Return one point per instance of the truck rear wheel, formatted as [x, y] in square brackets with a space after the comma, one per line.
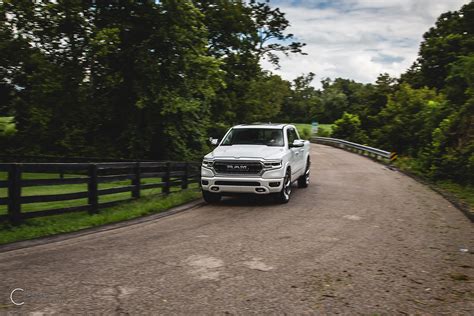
[303, 181]
[211, 197]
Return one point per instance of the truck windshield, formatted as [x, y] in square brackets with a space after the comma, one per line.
[254, 136]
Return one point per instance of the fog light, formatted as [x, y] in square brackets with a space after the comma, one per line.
[205, 182]
[215, 188]
[274, 184]
[260, 189]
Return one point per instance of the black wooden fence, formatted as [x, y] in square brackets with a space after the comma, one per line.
[62, 159]
[171, 174]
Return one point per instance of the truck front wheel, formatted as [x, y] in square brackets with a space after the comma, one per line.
[211, 197]
[284, 195]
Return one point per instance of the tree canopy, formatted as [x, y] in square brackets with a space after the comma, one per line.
[154, 79]
[428, 113]
[136, 78]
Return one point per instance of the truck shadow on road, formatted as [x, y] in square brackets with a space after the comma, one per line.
[252, 200]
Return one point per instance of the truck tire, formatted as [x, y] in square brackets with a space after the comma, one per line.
[211, 197]
[303, 181]
[284, 195]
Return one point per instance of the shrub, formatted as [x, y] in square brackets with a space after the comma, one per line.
[348, 128]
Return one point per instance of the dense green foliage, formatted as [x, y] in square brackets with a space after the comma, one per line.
[136, 78]
[348, 127]
[155, 79]
[427, 114]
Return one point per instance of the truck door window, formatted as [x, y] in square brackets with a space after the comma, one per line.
[291, 134]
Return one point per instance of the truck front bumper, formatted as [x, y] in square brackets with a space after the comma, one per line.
[221, 184]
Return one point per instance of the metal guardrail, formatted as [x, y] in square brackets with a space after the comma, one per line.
[345, 144]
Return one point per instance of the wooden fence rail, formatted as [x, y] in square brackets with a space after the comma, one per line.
[92, 175]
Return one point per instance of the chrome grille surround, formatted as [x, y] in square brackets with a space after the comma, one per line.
[238, 167]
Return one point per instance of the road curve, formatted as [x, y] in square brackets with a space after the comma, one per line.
[361, 239]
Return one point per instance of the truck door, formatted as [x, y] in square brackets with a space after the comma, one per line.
[296, 154]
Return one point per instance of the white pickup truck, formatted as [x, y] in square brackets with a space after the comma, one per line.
[258, 159]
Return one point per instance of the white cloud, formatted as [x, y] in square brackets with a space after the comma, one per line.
[357, 39]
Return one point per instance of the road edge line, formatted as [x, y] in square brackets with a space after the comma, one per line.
[99, 229]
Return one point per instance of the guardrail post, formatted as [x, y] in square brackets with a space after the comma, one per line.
[184, 181]
[14, 194]
[93, 198]
[136, 181]
[166, 179]
[393, 157]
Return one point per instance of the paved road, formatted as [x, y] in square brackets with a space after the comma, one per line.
[361, 239]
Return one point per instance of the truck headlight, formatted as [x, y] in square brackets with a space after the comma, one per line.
[208, 163]
[271, 164]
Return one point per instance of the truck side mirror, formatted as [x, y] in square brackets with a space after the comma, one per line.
[214, 141]
[297, 143]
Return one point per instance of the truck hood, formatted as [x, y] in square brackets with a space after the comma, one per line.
[247, 151]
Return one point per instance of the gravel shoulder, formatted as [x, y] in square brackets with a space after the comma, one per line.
[361, 239]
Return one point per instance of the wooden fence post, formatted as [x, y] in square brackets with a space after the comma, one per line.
[166, 179]
[14, 194]
[93, 198]
[184, 181]
[136, 181]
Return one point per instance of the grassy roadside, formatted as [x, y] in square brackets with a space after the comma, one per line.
[51, 225]
[304, 130]
[464, 193]
[7, 125]
[70, 188]
[325, 130]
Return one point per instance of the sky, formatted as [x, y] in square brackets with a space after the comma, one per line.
[357, 39]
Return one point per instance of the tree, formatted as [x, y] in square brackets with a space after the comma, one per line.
[123, 79]
[409, 119]
[302, 104]
[265, 98]
[452, 147]
[450, 38]
[348, 127]
[333, 102]
[241, 34]
[48, 80]
[161, 78]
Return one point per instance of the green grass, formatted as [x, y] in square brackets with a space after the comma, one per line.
[463, 193]
[70, 188]
[410, 165]
[150, 202]
[51, 225]
[7, 126]
[325, 130]
[304, 130]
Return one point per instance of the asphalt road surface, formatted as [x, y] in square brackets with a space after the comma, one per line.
[361, 239]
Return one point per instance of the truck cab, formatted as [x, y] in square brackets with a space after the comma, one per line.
[256, 159]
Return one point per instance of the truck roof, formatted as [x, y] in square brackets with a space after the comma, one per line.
[261, 125]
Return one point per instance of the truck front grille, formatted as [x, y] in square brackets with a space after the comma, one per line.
[238, 167]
